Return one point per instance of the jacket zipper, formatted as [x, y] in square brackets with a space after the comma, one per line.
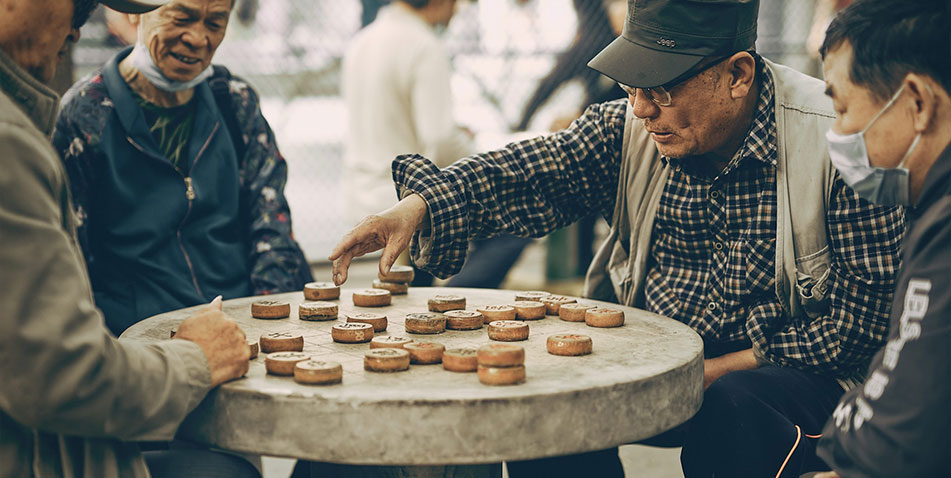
[189, 195]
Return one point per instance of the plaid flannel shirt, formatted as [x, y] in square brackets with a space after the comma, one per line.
[713, 248]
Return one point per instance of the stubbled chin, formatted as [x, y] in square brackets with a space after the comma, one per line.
[670, 151]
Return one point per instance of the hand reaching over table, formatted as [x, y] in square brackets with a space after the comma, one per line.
[390, 230]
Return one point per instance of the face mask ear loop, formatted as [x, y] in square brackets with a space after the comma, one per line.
[910, 150]
[883, 110]
[917, 138]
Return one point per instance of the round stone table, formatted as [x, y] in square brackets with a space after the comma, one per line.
[642, 378]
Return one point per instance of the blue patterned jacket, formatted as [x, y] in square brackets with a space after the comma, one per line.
[156, 240]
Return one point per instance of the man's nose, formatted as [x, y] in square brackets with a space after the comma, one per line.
[195, 39]
[642, 106]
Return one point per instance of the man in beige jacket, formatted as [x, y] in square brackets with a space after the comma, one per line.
[74, 399]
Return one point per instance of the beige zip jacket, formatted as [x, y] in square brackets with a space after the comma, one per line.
[72, 397]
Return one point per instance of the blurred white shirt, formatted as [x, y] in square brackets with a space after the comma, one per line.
[396, 86]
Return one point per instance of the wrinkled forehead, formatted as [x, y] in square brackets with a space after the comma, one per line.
[199, 7]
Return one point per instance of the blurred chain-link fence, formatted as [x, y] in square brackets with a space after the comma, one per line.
[519, 64]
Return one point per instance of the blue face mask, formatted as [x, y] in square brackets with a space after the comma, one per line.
[849, 154]
[142, 60]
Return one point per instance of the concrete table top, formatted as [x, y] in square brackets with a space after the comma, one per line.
[642, 378]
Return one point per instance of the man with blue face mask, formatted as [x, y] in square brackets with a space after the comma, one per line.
[888, 70]
[175, 174]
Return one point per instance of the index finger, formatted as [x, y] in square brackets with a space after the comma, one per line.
[341, 266]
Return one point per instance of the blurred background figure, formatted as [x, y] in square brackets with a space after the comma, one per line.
[396, 83]
[599, 23]
[121, 28]
[370, 9]
[824, 13]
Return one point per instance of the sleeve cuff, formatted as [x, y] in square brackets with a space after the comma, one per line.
[441, 247]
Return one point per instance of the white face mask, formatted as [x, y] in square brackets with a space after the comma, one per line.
[142, 60]
[849, 154]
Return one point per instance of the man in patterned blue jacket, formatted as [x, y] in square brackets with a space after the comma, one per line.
[180, 195]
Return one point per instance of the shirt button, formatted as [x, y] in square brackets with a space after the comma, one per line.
[712, 306]
[714, 194]
[718, 246]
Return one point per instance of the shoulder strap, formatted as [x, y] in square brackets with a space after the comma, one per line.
[220, 88]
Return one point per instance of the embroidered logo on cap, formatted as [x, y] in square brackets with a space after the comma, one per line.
[666, 42]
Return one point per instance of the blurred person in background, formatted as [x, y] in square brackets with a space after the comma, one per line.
[887, 65]
[75, 400]
[369, 9]
[725, 215]
[597, 27]
[175, 175]
[396, 83]
[599, 23]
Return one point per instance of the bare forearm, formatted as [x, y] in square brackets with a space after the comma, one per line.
[717, 367]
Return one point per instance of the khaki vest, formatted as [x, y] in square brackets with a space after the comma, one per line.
[803, 174]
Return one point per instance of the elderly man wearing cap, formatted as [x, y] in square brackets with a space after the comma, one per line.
[175, 174]
[74, 399]
[725, 215]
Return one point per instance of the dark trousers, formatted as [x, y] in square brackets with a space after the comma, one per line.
[309, 469]
[489, 261]
[753, 423]
[179, 463]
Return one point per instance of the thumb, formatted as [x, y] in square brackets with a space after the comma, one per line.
[216, 303]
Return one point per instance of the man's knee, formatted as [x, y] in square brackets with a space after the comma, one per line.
[730, 395]
[602, 463]
[198, 463]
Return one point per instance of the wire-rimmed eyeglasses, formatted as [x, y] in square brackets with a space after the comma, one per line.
[660, 95]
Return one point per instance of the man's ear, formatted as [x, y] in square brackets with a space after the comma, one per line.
[925, 106]
[741, 74]
[134, 18]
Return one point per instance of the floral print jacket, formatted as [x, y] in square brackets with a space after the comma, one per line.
[229, 233]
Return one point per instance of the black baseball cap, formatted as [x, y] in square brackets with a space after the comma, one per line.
[133, 6]
[663, 39]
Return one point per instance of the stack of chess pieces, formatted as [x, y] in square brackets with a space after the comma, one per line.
[500, 362]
